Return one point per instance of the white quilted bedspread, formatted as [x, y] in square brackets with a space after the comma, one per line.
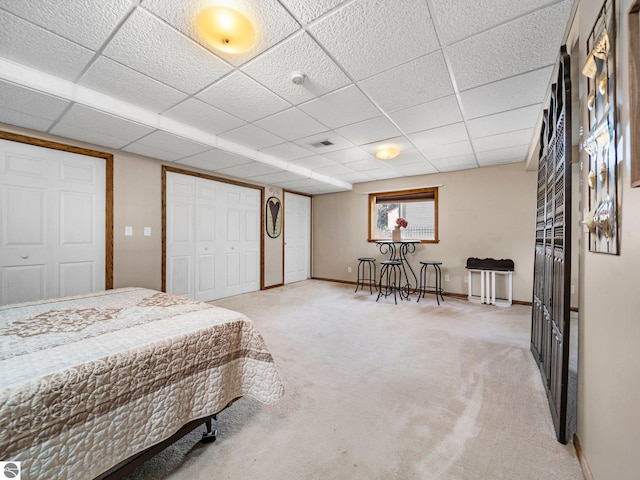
[88, 381]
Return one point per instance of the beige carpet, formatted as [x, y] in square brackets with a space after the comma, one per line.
[379, 391]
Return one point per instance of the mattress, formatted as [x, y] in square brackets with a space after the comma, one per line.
[88, 381]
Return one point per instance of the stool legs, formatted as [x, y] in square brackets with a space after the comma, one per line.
[366, 267]
[392, 275]
[423, 281]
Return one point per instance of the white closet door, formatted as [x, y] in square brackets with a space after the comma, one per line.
[52, 234]
[213, 238]
[180, 231]
[205, 234]
[239, 227]
[297, 237]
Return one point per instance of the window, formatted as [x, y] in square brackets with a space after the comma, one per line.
[419, 207]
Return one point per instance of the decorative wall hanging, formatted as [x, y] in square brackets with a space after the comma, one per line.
[600, 133]
[273, 217]
[634, 90]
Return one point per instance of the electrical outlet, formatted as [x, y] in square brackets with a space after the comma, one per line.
[348, 269]
[573, 289]
[466, 279]
[446, 278]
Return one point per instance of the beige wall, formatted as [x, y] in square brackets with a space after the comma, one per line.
[138, 203]
[609, 351]
[486, 212]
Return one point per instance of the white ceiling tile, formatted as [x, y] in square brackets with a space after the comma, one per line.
[411, 169]
[201, 115]
[311, 143]
[383, 173]
[460, 19]
[459, 162]
[355, 177]
[514, 92]
[308, 11]
[252, 137]
[504, 155]
[89, 125]
[518, 119]
[297, 53]
[214, 159]
[449, 150]
[166, 146]
[439, 136]
[90, 24]
[348, 155]
[365, 165]
[243, 97]
[40, 105]
[249, 169]
[525, 44]
[313, 163]
[271, 21]
[291, 124]
[504, 140]
[333, 170]
[27, 44]
[118, 81]
[373, 130]
[418, 81]
[25, 120]
[369, 36]
[342, 107]
[287, 151]
[150, 46]
[437, 113]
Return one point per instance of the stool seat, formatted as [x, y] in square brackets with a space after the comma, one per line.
[423, 287]
[366, 273]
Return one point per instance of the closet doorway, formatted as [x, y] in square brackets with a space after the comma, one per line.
[297, 237]
[56, 220]
[212, 236]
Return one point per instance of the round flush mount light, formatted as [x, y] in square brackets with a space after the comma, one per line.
[387, 152]
[225, 29]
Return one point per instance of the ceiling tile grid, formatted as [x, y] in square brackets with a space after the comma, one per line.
[455, 84]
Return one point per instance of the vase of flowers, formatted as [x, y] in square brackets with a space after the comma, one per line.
[396, 235]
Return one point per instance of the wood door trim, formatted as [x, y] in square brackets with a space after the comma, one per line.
[180, 171]
[108, 157]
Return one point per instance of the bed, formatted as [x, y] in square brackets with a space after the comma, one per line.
[87, 382]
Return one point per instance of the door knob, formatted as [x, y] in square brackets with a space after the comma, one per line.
[24, 257]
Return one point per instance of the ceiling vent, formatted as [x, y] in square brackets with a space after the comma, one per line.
[324, 143]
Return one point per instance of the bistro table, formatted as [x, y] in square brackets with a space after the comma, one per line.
[399, 251]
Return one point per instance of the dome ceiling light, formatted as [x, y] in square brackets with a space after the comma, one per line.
[225, 29]
[387, 152]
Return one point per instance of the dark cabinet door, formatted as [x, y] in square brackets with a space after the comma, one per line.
[552, 269]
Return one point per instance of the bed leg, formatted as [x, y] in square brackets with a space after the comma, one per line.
[210, 435]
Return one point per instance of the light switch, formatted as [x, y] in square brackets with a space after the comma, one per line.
[128, 231]
[147, 231]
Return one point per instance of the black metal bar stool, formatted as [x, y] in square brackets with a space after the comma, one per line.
[423, 287]
[391, 272]
[366, 273]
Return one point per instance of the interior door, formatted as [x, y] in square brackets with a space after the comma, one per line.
[297, 237]
[180, 234]
[212, 237]
[52, 234]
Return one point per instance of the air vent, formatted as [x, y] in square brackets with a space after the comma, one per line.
[324, 143]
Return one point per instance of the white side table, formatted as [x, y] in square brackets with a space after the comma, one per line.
[488, 287]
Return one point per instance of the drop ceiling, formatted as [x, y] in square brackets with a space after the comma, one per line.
[455, 84]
